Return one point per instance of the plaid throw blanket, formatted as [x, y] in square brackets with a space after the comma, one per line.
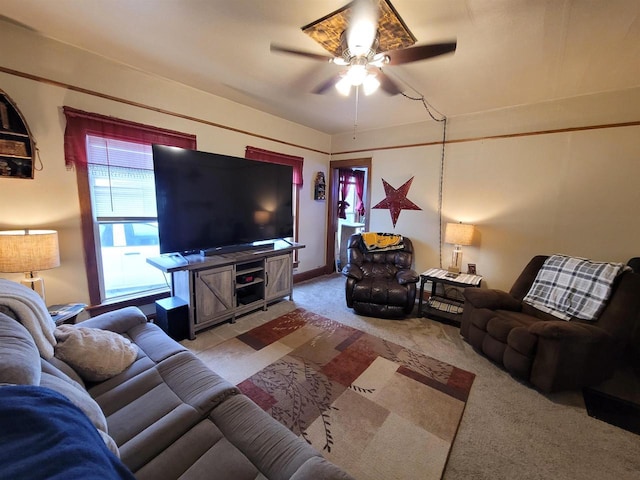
[568, 287]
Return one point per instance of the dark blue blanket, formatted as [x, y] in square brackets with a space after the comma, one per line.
[43, 435]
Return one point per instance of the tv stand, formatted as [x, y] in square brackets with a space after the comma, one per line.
[208, 252]
[227, 285]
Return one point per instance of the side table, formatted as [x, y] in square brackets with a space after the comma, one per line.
[440, 307]
[66, 313]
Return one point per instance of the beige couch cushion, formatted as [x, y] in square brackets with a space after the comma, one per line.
[95, 354]
[19, 357]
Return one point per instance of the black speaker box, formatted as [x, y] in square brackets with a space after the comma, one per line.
[172, 316]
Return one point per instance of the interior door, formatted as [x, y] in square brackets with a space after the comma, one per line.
[333, 197]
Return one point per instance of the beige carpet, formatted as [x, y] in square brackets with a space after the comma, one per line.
[508, 430]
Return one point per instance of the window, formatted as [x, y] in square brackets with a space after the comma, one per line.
[116, 188]
[123, 202]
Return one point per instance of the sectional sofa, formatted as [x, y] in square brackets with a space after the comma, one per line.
[166, 415]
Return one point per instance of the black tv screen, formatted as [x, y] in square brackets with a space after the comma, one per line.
[206, 201]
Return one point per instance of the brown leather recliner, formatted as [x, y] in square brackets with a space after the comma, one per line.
[537, 347]
[380, 284]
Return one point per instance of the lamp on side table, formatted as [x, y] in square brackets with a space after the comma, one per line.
[458, 234]
[29, 251]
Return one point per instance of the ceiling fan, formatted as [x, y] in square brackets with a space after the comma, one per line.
[368, 35]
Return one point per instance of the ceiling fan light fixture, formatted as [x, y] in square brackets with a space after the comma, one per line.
[344, 86]
[357, 74]
[364, 36]
[370, 84]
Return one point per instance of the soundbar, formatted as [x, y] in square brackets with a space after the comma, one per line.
[208, 252]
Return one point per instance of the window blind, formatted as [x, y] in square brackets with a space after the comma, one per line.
[122, 180]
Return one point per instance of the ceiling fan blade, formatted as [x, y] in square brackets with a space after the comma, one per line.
[421, 52]
[323, 87]
[387, 84]
[314, 56]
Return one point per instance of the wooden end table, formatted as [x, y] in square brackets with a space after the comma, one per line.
[444, 308]
[67, 313]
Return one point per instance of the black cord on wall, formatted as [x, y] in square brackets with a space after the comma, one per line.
[443, 119]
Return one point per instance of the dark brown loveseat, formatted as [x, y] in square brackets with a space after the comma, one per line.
[380, 283]
[537, 347]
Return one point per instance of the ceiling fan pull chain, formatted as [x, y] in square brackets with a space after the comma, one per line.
[355, 119]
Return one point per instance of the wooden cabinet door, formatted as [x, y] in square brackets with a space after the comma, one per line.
[279, 273]
[215, 294]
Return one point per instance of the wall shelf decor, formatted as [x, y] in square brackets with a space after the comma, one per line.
[16, 142]
[320, 189]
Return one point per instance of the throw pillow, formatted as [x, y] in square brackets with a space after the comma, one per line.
[94, 353]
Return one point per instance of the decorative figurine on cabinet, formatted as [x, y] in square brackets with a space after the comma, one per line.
[320, 187]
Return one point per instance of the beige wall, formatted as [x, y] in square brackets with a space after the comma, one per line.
[50, 200]
[573, 192]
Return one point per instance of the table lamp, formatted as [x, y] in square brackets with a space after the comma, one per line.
[29, 251]
[458, 234]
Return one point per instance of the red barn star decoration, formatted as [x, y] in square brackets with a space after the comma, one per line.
[397, 200]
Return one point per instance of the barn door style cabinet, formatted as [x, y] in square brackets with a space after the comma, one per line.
[278, 279]
[214, 293]
[17, 146]
[224, 287]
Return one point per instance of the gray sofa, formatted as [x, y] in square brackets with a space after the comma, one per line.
[169, 415]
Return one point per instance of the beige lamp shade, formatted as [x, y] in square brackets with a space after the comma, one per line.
[458, 233]
[24, 251]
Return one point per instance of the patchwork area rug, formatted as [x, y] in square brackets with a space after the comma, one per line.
[378, 410]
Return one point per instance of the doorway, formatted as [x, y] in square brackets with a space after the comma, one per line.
[339, 229]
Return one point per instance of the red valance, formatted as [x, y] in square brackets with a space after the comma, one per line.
[80, 124]
[254, 153]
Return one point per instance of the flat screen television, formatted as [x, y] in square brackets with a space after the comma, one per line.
[217, 202]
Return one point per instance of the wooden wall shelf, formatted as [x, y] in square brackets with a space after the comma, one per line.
[17, 147]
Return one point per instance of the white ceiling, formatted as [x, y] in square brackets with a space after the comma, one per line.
[510, 52]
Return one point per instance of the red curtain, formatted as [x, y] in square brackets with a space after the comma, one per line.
[358, 175]
[253, 153]
[80, 124]
[346, 177]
